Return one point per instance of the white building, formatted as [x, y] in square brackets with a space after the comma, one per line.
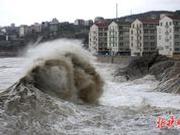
[98, 38]
[36, 27]
[168, 36]
[143, 37]
[118, 37]
[23, 30]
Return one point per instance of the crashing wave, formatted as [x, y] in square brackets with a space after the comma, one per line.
[60, 72]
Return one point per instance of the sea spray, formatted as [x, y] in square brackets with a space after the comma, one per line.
[64, 69]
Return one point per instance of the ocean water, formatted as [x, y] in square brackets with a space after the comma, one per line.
[125, 107]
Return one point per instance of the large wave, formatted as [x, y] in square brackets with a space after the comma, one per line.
[64, 69]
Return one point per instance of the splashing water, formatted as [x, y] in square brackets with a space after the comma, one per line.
[124, 107]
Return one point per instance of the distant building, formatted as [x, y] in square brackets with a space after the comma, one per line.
[54, 21]
[4, 30]
[2, 36]
[88, 22]
[168, 36]
[79, 22]
[98, 38]
[36, 27]
[23, 30]
[98, 19]
[54, 27]
[118, 37]
[143, 37]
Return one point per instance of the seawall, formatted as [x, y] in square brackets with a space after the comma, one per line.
[115, 59]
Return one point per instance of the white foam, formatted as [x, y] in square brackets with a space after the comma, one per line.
[138, 93]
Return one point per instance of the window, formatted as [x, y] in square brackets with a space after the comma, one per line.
[152, 37]
[177, 49]
[152, 43]
[159, 30]
[146, 37]
[159, 37]
[145, 31]
[167, 40]
[176, 36]
[152, 31]
[177, 43]
[170, 30]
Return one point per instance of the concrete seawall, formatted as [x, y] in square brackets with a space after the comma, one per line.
[115, 59]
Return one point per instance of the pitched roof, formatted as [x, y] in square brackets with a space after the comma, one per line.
[150, 21]
[102, 24]
[174, 17]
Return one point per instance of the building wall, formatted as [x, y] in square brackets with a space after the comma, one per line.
[113, 37]
[136, 38]
[23, 30]
[102, 39]
[118, 37]
[176, 36]
[124, 37]
[149, 38]
[143, 37]
[93, 39]
[165, 37]
[98, 39]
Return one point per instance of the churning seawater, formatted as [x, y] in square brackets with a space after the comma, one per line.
[130, 108]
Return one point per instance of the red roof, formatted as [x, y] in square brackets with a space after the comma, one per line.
[102, 24]
[174, 17]
[150, 21]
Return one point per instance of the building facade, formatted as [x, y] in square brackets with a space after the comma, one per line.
[23, 30]
[98, 38]
[168, 36]
[118, 38]
[79, 22]
[143, 37]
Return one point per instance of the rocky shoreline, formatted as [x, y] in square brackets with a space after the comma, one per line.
[166, 70]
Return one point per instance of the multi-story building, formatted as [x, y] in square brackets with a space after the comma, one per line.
[168, 36]
[98, 19]
[98, 38]
[23, 30]
[36, 27]
[88, 22]
[79, 22]
[143, 37]
[118, 37]
[53, 27]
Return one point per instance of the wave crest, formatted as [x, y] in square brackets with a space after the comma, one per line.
[66, 74]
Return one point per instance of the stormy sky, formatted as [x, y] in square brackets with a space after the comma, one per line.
[30, 11]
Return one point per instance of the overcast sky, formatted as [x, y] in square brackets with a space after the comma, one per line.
[30, 11]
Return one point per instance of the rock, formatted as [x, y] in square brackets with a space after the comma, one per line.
[166, 70]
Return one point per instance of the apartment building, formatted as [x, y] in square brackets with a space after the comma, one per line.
[168, 35]
[23, 30]
[118, 37]
[98, 38]
[143, 37]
